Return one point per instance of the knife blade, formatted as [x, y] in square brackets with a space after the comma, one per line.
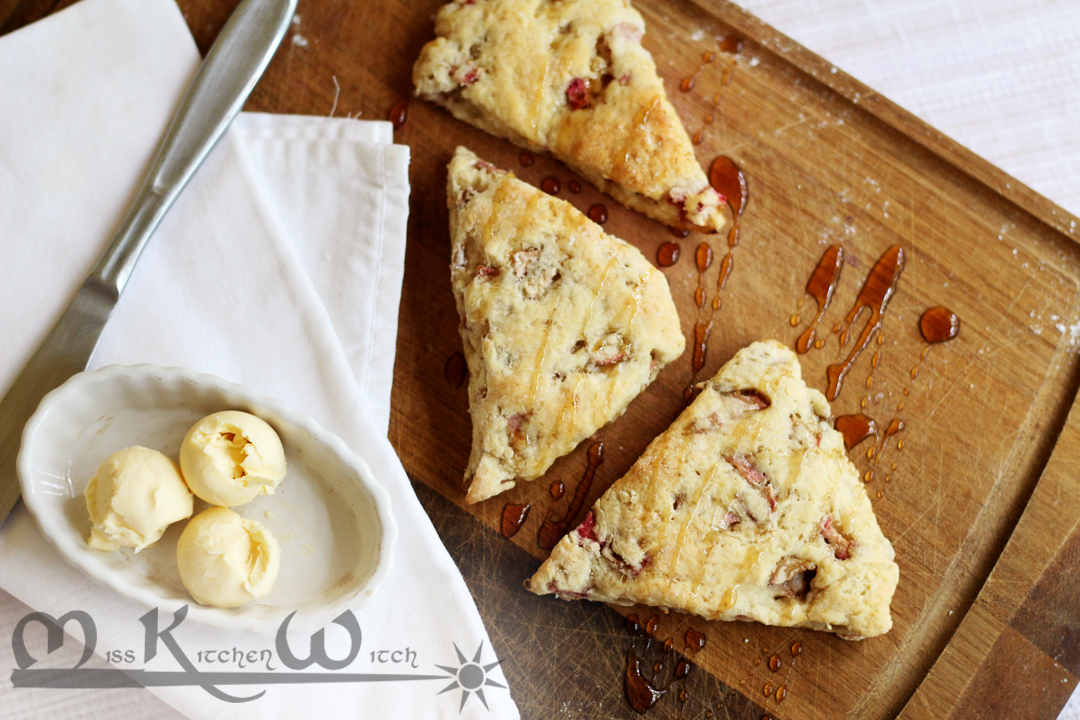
[225, 79]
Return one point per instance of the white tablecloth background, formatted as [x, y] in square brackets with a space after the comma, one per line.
[999, 76]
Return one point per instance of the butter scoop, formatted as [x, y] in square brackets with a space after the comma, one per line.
[230, 457]
[226, 560]
[135, 495]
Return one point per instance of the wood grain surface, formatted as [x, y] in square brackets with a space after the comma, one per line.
[827, 161]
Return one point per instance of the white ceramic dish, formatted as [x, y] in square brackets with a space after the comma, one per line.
[330, 515]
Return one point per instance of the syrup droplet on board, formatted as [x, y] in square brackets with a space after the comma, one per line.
[938, 325]
[658, 667]
[768, 689]
[668, 645]
[513, 517]
[456, 371]
[683, 695]
[731, 44]
[781, 693]
[695, 641]
[688, 82]
[821, 286]
[575, 187]
[526, 158]
[678, 232]
[757, 661]
[557, 489]
[775, 663]
[668, 254]
[632, 624]
[550, 185]
[652, 624]
[727, 178]
[875, 295]
[855, 429]
[895, 426]
[598, 214]
[703, 258]
[551, 531]
[399, 113]
[682, 669]
[796, 648]
[639, 692]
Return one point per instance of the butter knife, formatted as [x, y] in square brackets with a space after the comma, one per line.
[227, 75]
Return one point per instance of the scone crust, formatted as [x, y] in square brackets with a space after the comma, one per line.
[729, 508]
[571, 77]
[562, 324]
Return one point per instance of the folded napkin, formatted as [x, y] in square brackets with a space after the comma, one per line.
[279, 267]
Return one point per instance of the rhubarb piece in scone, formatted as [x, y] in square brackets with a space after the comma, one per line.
[746, 508]
[562, 324]
[572, 78]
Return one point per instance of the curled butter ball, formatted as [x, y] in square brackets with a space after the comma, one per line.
[135, 495]
[230, 457]
[226, 560]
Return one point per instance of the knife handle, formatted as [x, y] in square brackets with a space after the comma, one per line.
[224, 81]
[232, 67]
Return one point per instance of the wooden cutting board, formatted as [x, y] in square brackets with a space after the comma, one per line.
[827, 162]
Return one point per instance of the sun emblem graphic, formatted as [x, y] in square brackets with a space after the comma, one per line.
[470, 676]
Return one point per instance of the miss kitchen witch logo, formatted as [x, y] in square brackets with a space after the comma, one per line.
[469, 676]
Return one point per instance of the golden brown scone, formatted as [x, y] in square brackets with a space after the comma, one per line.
[562, 324]
[746, 508]
[571, 77]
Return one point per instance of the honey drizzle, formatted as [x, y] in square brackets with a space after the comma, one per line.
[513, 517]
[875, 295]
[551, 531]
[821, 286]
[714, 107]
[689, 81]
[727, 179]
[855, 428]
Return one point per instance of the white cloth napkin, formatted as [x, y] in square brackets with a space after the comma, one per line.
[279, 267]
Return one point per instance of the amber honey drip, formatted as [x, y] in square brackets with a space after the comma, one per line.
[551, 531]
[855, 428]
[938, 325]
[526, 158]
[399, 113]
[703, 258]
[775, 662]
[652, 625]
[695, 641]
[690, 80]
[796, 649]
[513, 517]
[726, 178]
[679, 232]
[668, 254]
[639, 692]
[875, 295]
[821, 286]
[550, 185]
[456, 371]
[598, 213]
[632, 624]
[669, 644]
[557, 489]
[575, 187]
[732, 46]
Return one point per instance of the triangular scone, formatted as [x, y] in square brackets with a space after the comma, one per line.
[562, 324]
[572, 78]
[746, 508]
